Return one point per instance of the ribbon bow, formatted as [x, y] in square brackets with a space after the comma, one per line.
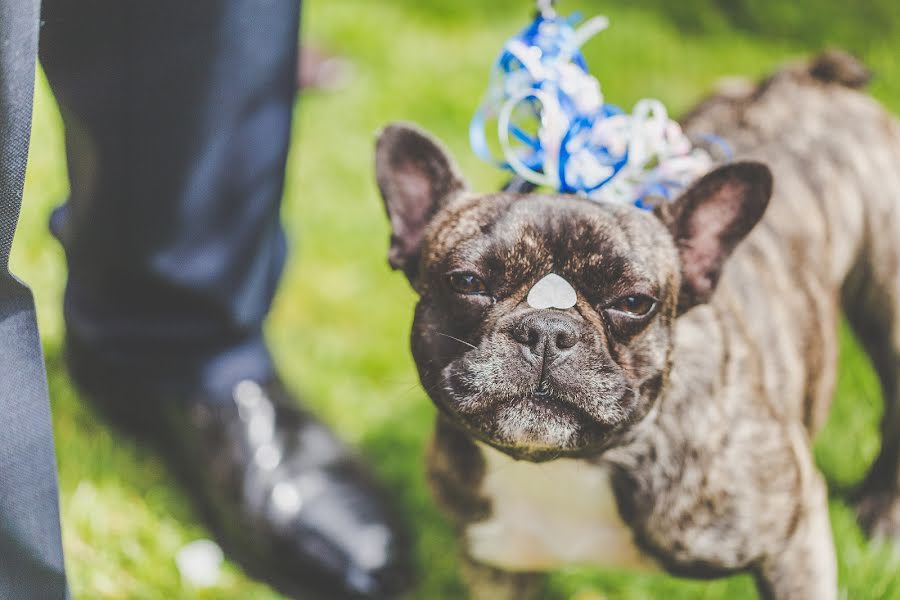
[555, 130]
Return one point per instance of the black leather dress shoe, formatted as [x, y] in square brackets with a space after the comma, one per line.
[285, 498]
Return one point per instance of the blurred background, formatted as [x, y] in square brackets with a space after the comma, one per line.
[340, 324]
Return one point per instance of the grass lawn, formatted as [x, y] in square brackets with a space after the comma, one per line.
[340, 323]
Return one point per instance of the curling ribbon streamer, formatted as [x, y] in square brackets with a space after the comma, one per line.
[555, 130]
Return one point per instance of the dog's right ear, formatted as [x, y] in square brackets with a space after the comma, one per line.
[416, 177]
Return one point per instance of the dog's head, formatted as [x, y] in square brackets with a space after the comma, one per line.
[545, 322]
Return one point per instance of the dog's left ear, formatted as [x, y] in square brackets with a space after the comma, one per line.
[416, 176]
[710, 219]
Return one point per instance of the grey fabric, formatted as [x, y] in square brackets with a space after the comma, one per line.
[31, 561]
[177, 117]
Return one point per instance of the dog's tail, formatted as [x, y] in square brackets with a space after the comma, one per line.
[838, 66]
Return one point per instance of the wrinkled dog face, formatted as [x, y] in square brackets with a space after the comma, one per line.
[544, 325]
[544, 380]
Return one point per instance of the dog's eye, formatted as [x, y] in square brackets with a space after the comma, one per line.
[637, 305]
[464, 282]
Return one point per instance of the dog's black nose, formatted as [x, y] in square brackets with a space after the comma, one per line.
[547, 334]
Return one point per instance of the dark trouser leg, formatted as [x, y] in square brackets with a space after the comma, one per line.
[177, 117]
[31, 561]
[177, 120]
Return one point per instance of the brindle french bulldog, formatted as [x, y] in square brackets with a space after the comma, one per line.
[655, 405]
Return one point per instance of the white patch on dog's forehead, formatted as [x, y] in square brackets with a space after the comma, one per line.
[552, 291]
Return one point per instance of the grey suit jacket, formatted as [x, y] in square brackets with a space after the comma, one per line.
[31, 560]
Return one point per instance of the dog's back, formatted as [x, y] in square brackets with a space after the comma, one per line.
[832, 228]
[829, 240]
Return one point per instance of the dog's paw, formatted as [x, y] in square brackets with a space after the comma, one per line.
[879, 516]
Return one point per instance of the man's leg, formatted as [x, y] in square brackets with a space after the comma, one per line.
[177, 120]
[31, 561]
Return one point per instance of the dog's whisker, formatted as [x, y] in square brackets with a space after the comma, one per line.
[447, 335]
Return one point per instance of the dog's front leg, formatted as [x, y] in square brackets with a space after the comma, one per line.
[804, 567]
[485, 582]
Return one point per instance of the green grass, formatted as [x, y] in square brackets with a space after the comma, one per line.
[340, 324]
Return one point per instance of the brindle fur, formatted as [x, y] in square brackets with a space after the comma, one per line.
[705, 413]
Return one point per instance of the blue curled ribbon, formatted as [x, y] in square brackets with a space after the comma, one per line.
[554, 128]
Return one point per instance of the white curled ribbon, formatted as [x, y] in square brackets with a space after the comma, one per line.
[580, 144]
[552, 122]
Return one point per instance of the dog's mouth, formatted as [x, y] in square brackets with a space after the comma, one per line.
[537, 426]
[568, 411]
